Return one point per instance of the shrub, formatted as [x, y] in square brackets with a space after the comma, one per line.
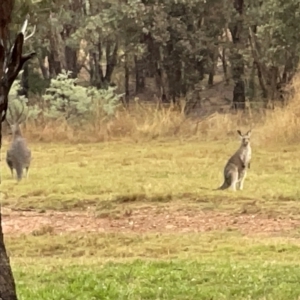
[72, 102]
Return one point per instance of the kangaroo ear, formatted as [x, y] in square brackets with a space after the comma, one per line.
[249, 132]
[239, 132]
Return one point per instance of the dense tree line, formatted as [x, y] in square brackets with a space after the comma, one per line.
[177, 43]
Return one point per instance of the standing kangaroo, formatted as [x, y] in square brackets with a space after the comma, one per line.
[235, 170]
[18, 156]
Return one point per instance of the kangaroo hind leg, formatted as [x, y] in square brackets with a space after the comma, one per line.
[234, 180]
[242, 179]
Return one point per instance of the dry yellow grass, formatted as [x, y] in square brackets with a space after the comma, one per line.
[282, 125]
[141, 122]
[144, 122]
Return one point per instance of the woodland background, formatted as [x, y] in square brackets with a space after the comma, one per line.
[104, 65]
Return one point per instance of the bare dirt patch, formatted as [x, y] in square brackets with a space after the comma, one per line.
[145, 220]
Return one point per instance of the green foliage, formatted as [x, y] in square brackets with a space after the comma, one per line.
[181, 37]
[66, 99]
[172, 279]
[37, 84]
[277, 31]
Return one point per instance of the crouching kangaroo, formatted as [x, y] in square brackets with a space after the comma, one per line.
[18, 156]
[235, 170]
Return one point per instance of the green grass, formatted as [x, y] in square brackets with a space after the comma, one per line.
[177, 279]
[112, 177]
[104, 175]
[192, 266]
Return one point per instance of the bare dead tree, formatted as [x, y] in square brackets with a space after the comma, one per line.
[11, 63]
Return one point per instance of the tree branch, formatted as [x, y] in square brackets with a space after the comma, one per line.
[11, 63]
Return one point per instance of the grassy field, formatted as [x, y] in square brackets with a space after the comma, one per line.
[221, 278]
[209, 266]
[107, 174]
[110, 179]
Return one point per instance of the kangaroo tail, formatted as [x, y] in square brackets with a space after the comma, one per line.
[226, 184]
[19, 170]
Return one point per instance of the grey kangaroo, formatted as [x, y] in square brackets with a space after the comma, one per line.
[18, 156]
[235, 170]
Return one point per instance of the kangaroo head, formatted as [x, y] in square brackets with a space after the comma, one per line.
[245, 138]
[16, 130]
[16, 120]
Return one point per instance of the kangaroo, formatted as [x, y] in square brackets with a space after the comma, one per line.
[235, 170]
[18, 156]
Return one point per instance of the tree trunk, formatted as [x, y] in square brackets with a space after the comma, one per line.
[156, 66]
[224, 65]
[96, 72]
[111, 60]
[12, 65]
[139, 75]
[24, 82]
[7, 283]
[213, 57]
[239, 97]
[72, 64]
[54, 65]
[57, 56]
[126, 80]
[71, 61]
[97, 77]
[261, 81]
[237, 60]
